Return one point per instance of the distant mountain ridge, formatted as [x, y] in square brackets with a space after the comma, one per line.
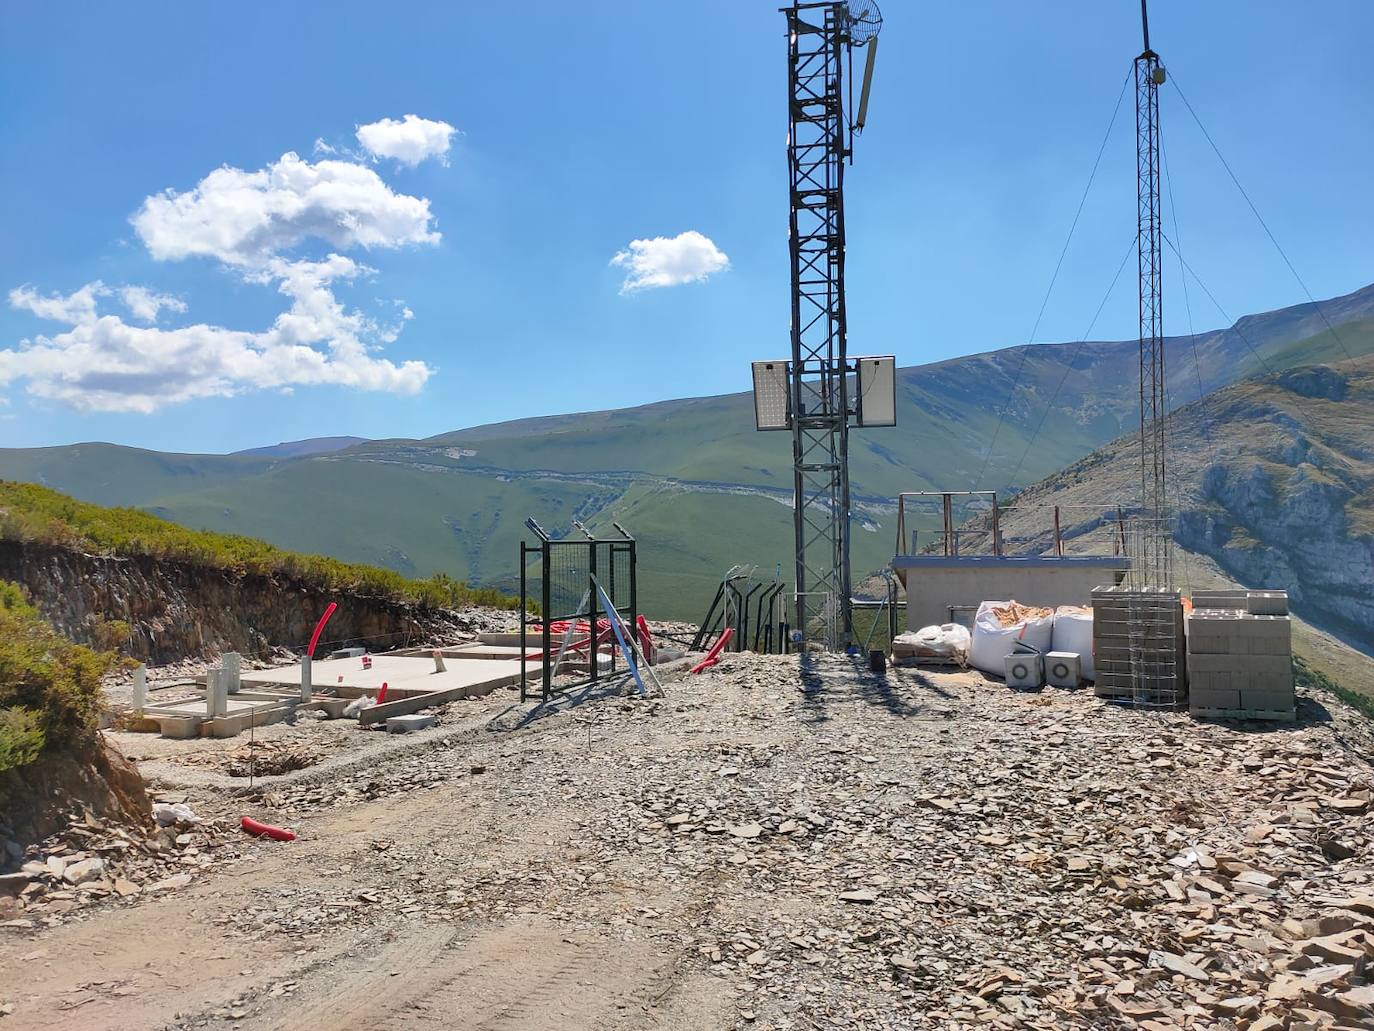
[300, 448]
[690, 477]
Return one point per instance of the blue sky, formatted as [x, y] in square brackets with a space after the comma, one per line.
[579, 129]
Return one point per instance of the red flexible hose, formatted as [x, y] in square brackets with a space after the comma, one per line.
[713, 656]
[252, 826]
[319, 628]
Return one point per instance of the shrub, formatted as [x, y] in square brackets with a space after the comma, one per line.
[21, 738]
[50, 692]
[30, 513]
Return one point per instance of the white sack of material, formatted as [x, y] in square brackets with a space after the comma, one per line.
[997, 628]
[947, 641]
[1073, 632]
[358, 704]
[168, 814]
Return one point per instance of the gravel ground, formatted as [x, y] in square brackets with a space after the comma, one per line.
[769, 845]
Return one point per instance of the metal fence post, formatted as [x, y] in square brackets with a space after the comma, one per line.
[545, 556]
[524, 620]
[591, 616]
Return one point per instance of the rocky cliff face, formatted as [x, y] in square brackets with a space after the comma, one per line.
[177, 610]
[1273, 479]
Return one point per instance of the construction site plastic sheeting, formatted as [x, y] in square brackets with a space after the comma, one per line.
[947, 641]
[993, 642]
[1073, 632]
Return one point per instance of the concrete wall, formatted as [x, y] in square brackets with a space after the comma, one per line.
[935, 584]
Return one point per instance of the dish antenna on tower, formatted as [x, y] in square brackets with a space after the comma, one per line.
[864, 21]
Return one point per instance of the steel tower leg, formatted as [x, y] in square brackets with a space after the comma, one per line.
[816, 149]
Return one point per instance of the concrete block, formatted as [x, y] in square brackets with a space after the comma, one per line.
[181, 728]
[1209, 644]
[1268, 603]
[1223, 599]
[333, 707]
[1280, 627]
[1241, 664]
[306, 686]
[1210, 681]
[408, 724]
[1063, 669]
[1214, 617]
[1267, 701]
[1212, 699]
[1272, 645]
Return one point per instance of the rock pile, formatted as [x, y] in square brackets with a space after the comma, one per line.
[93, 860]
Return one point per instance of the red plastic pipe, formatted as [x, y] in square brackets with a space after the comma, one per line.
[713, 656]
[319, 628]
[252, 826]
[381, 695]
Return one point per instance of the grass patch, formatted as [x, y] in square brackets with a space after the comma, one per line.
[1307, 677]
[30, 513]
[49, 687]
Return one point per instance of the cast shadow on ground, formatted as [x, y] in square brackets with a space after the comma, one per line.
[875, 689]
[518, 716]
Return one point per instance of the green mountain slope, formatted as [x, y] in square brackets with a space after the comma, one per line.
[691, 478]
[108, 474]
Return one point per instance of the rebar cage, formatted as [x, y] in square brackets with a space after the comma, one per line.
[563, 618]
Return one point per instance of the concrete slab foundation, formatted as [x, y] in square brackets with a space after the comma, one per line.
[403, 675]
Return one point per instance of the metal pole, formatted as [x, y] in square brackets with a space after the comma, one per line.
[524, 620]
[948, 513]
[546, 600]
[591, 617]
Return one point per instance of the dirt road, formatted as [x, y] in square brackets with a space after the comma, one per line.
[771, 847]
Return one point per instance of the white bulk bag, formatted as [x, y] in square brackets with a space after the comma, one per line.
[993, 642]
[1073, 632]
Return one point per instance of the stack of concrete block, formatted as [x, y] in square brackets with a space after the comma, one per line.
[1138, 649]
[1240, 655]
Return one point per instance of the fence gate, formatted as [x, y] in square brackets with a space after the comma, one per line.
[563, 621]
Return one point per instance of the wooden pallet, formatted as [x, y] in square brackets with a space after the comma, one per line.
[1267, 715]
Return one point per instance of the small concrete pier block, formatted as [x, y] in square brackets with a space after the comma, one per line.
[216, 693]
[140, 687]
[233, 666]
[305, 679]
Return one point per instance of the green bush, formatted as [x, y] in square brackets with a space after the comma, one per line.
[21, 738]
[50, 692]
[31, 513]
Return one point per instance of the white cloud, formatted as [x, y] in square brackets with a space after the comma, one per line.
[104, 364]
[245, 218]
[75, 307]
[250, 221]
[669, 261]
[144, 304]
[409, 140]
